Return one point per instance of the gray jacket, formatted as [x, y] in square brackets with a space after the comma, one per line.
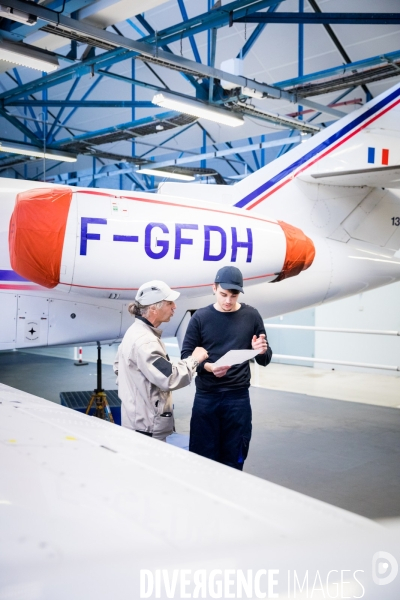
[146, 378]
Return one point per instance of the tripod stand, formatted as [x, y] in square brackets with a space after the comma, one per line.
[99, 397]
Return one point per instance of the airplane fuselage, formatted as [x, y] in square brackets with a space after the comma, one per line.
[114, 241]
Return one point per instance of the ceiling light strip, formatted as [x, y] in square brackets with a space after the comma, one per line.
[197, 109]
[36, 153]
[27, 56]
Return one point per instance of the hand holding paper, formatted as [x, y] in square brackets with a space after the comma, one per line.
[236, 357]
[217, 370]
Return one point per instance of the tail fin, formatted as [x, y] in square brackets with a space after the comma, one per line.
[366, 139]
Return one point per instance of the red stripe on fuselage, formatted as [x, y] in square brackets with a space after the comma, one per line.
[11, 286]
[175, 287]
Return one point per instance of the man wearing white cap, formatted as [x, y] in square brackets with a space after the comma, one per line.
[146, 376]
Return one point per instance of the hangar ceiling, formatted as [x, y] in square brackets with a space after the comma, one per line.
[283, 69]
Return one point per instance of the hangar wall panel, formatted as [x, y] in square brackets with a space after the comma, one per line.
[291, 341]
[377, 309]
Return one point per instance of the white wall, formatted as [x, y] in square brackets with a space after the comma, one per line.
[376, 309]
[292, 342]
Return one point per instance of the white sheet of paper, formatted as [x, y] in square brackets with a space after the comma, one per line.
[236, 357]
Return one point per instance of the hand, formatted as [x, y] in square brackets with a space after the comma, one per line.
[200, 354]
[219, 371]
[259, 343]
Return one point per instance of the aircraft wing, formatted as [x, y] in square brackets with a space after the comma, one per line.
[90, 510]
[387, 177]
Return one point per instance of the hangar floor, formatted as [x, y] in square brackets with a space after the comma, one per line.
[344, 453]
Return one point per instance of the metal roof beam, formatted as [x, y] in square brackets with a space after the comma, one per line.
[335, 40]
[238, 156]
[340, 69]
[321, 18]
[154, 54]
[57, 118]
[288, 147]
[218, 17]
[229, 162]
[31, 111]
[157, 146]
[82, 104]
[115, 128]
[132, 177]
[129, 81]
[34, 119]
[255, 35]
[77, 70]
[254, 152]
[353, 79]
[217, 155]
[192, 41]
[22, 128]
[251, 41]
[336, 100]
[151, 31]
[20, 31]
[85, 95]
[227, 152]
[283, 120]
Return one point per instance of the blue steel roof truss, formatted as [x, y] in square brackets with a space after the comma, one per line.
[99, 66]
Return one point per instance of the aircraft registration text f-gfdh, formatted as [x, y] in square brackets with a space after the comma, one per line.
[82, 239]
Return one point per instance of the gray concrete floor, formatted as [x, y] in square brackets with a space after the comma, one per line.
[47, 376]
[344, 453]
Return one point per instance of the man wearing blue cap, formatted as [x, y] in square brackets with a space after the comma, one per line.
[220, 427]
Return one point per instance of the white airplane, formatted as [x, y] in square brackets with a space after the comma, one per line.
[91, 511]
[317, 224]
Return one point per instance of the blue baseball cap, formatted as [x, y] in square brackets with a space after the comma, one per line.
[230, 278]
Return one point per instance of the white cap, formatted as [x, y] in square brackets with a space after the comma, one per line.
[154, 291]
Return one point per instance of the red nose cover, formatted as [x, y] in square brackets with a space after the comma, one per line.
[300, 252]
[36, 234]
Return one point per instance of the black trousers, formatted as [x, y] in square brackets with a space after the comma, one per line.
[220, 427]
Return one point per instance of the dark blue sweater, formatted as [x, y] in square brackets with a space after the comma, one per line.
[219, 332]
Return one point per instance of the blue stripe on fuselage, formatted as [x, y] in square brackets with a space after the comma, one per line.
[323, 146]
[7, 275]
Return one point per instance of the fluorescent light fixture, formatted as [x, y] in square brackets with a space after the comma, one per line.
[36, 152]
[28, 56]
[17, 15]
[198, 109]
[169, 174]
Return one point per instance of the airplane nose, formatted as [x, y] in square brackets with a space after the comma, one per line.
[36, 234]
[300, 252]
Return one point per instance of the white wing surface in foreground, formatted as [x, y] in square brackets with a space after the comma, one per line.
[90, 510]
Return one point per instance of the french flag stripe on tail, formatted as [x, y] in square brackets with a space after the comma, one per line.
[385, 156]
[371, 155]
